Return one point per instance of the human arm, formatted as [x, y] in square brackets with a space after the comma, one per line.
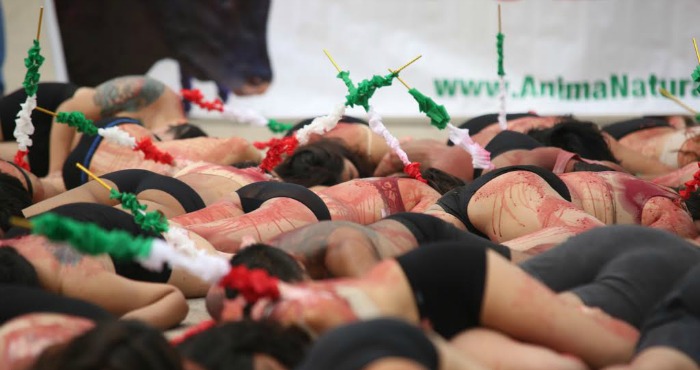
[224, 151]
[633, 161]
[160, 305]
[63, 136]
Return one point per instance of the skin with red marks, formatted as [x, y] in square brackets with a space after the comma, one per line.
[651, 142]
[23, 338]
[356, 138]
[363, 201]
[519, 203]
[619, 198]
[678, 177]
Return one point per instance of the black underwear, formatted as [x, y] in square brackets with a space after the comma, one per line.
[356, 345]
[455, 201]
[85, 150]
[30, 187]
[429, 229]
[448, 283]
[506, 141]
[621, 129]
[476, 124]
[135, 181]
[255, 194]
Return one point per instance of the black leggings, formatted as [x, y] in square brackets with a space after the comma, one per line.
[624, 270]
[49, 95]
[135, 181]
[255, 194]
[448, 282]
[430, 229]
[356, 345]
[675, 322]
[455, 201]
[621, 129]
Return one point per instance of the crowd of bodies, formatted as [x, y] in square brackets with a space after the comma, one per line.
[575, 251]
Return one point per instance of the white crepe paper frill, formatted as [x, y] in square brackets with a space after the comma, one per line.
[481, 158]
[24, 127]
[377, 126]
[320, 125]
[117, 136]
[502, 91]
[208, 267]
[245, 116]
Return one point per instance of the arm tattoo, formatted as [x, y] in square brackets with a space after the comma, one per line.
[127, 94]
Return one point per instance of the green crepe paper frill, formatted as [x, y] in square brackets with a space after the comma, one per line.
[437, 113]
[77, 120]
[696, 77]
[499, 49]
[345, 76]
[33, 61]
[90, 238]
[697, 117]
[149, 221]
[278, 127]
[366, 89]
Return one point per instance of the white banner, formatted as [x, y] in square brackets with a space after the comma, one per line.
[585, 57]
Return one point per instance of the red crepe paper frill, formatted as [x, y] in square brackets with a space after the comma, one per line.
[19, 159]
[691, 185]
[150, 151]
[202, 326]
[253, 284]
[195, 96]
[277, 147]
[413, 169]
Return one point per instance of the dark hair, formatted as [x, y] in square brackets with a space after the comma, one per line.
[321, 163]
[113, 345]
[245, 164]
[16, 269]
[233, 345]
[275, 261]
[580, 166]
[186, 131]
[13, 199]
[304, 122]
[441, 180]
[693, 205]
[582, 138]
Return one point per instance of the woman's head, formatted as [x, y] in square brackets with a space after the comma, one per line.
[114, 345]
[326, 162]
[14, 197]
[181, 131]
[15, 269]
[245, 345]
[582, 138]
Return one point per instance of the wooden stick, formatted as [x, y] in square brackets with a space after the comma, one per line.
[400, 79]
[92, 175]
[20, 222]
[697, 53]
[40, 109]
[670, 96]
[38, 28]
[332, 60]
[407, 64]
[499, 18]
